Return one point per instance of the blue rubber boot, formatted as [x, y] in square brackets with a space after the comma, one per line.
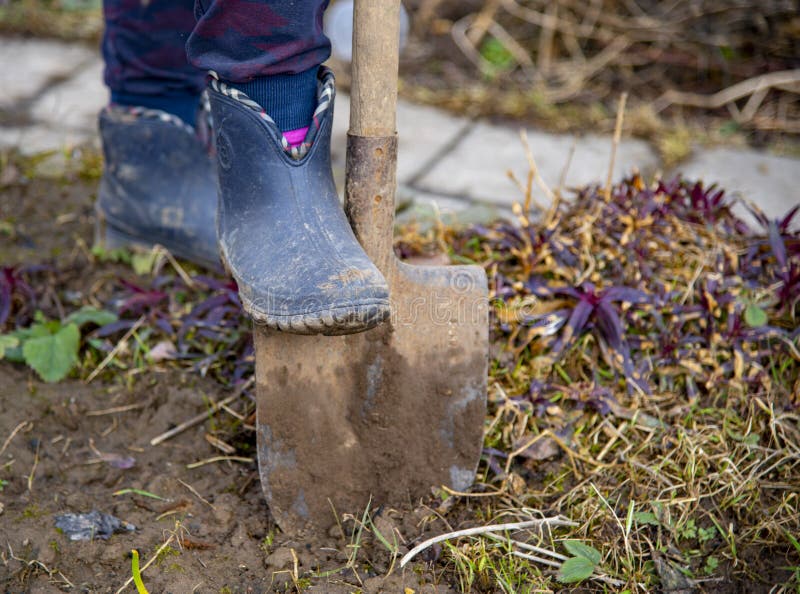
[159, 185]
[283, 234]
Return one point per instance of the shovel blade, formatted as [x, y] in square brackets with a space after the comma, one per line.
[383, 415]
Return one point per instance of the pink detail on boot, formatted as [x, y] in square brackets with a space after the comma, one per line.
[295, 137]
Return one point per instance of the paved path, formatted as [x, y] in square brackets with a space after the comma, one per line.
[52, 92]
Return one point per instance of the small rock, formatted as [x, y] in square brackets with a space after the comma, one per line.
[280, 558]
[240, 536]
[95, 524]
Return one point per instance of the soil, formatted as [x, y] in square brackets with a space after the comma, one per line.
[227, 541]
[51, 466]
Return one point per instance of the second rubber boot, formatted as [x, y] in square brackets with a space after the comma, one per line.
[159, 185]
[282, 232]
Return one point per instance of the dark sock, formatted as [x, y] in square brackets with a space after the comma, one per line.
[289, 99]
[183, 106]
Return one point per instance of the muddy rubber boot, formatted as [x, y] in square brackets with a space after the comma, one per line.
[283, 234]
[158, 187]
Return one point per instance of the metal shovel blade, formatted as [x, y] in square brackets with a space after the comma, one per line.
[387, 414]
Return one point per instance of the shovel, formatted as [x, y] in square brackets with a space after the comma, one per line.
[382, 416]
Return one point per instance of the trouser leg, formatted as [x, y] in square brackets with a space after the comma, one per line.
[144, 47]
[269, 49]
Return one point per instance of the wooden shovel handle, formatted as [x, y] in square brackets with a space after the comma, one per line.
[373, 99]
[372, 141]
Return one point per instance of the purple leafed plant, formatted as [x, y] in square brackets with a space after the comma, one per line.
[674, 287]
[17, 298]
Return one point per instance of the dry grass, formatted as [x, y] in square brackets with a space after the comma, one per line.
[695, 484]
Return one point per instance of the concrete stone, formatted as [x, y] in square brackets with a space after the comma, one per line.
[423, 134]
[425, 209]
[27, 65]
[74, 104]
[40, 137]
[771, 182]
[477, 167]
[341, 122]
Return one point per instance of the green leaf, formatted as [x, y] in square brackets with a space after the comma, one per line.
[751, 439]
[754, 316]
[116, 255]
[14, 354]
[139, 492]
[52, 351]
[90, 315]
[494, 52]
[646, 518]
[575, 569]
[579, 549]
[143, 263]
[7, 341]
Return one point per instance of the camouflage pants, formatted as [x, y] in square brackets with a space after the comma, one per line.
[165, 47]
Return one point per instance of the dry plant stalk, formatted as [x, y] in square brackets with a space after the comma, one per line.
[615, 144]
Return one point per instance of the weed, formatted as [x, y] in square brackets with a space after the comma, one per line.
[164, 553]
[137, 576]
[32, 511]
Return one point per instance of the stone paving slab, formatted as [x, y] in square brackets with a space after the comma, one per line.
[34, 139]
[770, 181]
[26, 65]
[450, 162]
[74, 103]
[424, 132]
[426, 208]
[477, 167]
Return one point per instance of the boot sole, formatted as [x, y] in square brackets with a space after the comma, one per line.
[336, 321]
[333, 322]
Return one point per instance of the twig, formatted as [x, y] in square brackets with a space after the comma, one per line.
[617, 135]
[219, 444]
[200, 463]
[556, 521]
[178, 268]
[523, 135]
[35, 464]
[196, 420]
[426, 12]
[116, 409]
[16, 430]
[511, 44]
[530, 557]
[50, 572]
[546, 38]
[195, 493]
[104, 363]
[782, 78]
[237, 416]
[562, 179]
[450, 491]
[149, 563]
[483, 21]
[540, 550]
[529, 547]
[459, 34]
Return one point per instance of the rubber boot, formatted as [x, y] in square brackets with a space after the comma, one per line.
[158, 187]
[283, 234]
